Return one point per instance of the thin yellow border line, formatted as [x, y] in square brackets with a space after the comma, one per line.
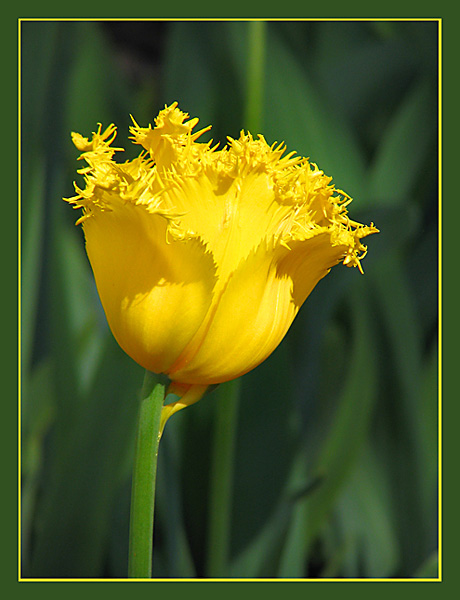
[263, 580]
[440, 301]
[19, 303]
[273, 580]
[98, 19]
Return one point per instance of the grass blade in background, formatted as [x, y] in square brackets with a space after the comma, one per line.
[403, 372]
[255, 77]
[405, 148]
[170, 507]
[302, 118]
[69, 333]
[268, 435]
[79, 497]
[365, 515]
[342, 445]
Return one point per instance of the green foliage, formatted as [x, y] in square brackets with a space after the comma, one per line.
[334, 468]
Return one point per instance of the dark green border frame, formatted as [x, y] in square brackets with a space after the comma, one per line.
[407, 10]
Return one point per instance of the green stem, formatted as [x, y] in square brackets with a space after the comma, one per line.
[255, 76]
[222, 478]
[144, 477]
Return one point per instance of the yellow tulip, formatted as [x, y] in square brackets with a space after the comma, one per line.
[203, 257]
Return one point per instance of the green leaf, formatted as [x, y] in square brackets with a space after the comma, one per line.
[342, 444]
[405, 148]
[258, 557]
[85, 472]
[38, 410]
[429, 569]
[430, 415]
[37, 60]
[97, 90]
[33, 220]
[402, 422]
[297, 114]
[366, 516]
[267, 436]
[370, 71]
[203, 81]
[39, 43]
[170, 519]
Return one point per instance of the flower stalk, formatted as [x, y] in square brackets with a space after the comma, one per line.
[144, 477]
[222, 469]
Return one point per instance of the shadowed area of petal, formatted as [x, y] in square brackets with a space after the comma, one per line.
[203, 257]
[256, 309]
[155, 292]
[250, 319]
[233, 218]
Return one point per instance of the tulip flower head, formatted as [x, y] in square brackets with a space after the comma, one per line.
[203, 257]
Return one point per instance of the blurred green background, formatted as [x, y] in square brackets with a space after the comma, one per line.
[331, 451]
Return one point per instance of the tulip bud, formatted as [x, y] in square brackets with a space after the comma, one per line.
[203, 257]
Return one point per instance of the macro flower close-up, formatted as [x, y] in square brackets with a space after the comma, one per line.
[203, 257]
[229, 299]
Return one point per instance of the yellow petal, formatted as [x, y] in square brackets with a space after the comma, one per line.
[155, 292]
[233, 216]
[202, 258]
[256, 309]
[187, 394]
